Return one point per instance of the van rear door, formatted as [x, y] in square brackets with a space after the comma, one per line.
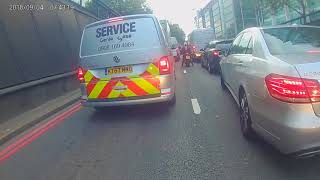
[120, 58]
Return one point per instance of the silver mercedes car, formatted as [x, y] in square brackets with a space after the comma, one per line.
[273, 74]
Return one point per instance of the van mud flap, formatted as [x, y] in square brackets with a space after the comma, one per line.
[145, 84]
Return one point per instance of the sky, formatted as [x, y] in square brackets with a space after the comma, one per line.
[181, 12]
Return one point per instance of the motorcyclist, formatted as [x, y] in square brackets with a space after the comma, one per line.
[184, 51]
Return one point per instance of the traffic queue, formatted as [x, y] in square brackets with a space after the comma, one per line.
[272, 73]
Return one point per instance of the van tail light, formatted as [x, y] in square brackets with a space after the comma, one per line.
[215, 53]
[80, 74]
[293, 89]
[164, 65]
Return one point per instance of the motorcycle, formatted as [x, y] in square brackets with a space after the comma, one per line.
[187, 59]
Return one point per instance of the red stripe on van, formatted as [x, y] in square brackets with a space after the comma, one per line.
[133, 87]
[107, 89]
[91, 85]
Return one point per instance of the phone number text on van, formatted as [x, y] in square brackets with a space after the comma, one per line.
[116, 46]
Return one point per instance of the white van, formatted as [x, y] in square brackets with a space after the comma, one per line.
[125, 61]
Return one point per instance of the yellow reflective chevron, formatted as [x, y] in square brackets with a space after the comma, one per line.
[145, 85]
[97, 89]
[115, 93]
[153, 69]
[128, 93]
[88, 76]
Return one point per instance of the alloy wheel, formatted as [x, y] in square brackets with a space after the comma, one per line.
[245, 119]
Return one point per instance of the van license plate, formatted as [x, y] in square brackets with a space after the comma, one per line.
[119, 70]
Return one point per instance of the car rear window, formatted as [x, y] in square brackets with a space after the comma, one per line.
[292, 40]
[223, 47]
[123, 35]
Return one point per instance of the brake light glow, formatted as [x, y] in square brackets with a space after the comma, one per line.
[114, 20]
[215, 53]
[293, 89]
[80, 74]
[164, 65]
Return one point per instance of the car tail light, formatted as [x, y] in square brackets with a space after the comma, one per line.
[80, 74]
[293, 89]
[215, 53]
[164, 65]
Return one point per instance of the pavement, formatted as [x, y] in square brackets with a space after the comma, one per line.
[199, 138]
[14, 126]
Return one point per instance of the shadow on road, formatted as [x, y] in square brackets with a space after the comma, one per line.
[158, 112]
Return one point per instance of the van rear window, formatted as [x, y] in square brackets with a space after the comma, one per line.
[125, 35]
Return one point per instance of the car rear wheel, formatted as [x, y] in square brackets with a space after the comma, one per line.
[210, 68]
[202, 64]
[216, 69]
[245, 119]
[172, 102]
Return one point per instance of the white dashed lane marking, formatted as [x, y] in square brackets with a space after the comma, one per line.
[185, 71]
[195, 106]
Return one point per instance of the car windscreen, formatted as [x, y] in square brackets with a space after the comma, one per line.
[292, 40]
[120, 36]
[213, 45]
[223, 47]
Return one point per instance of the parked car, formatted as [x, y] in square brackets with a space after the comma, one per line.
[213, 54]
[273, 74]
[139, 69]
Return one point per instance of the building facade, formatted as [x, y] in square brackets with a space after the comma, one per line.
[292, 14]
[229, 17]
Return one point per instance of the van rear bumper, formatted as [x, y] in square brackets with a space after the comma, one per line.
[101, 103]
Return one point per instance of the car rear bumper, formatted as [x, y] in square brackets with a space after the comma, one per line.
[300, 141]
[101, 103]
[292, 128]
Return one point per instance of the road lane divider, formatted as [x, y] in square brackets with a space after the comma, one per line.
[36, 133]
[195, 106]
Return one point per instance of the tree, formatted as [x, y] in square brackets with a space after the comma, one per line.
[272, 5]
[177, 32]
[129, 7]
[299, 6]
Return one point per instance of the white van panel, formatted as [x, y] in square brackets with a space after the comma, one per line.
[122, 36]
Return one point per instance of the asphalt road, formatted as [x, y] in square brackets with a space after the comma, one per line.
[157, 142]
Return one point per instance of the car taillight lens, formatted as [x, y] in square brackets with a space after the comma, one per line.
[164, 65]
[80, 74]
[215, 53]
[293, 89]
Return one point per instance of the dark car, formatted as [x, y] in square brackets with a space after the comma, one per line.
[213, 53]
